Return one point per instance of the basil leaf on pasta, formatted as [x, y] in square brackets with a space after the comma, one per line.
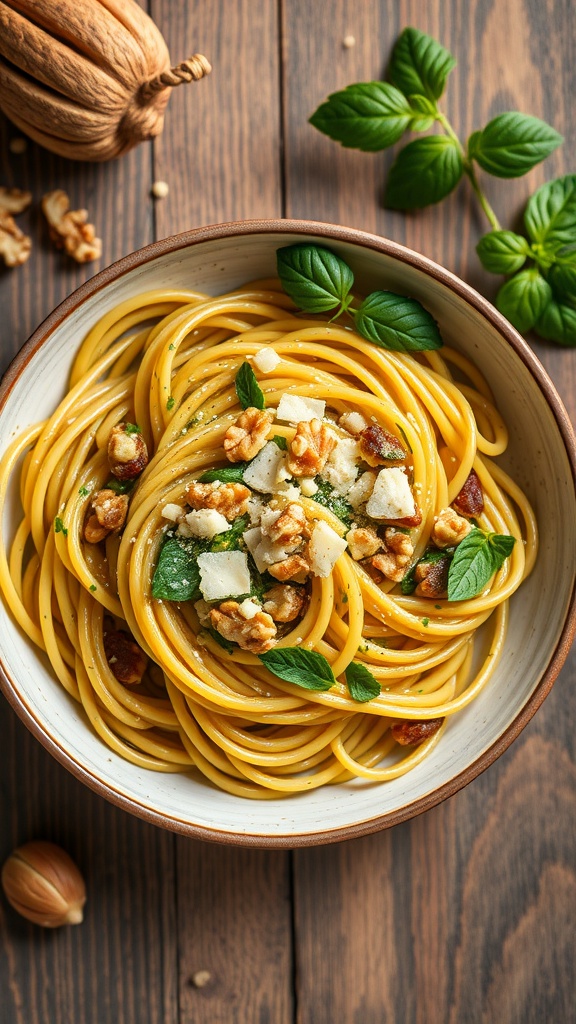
[397, 323]
[177, 577]
[249, 392]
[308, 669]
[315, 278]
[227, 474]
[222, 641]
[475, 561]
[334, 502]
[230, 539]
[362, 685]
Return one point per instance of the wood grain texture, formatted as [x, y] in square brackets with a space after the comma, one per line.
[464, 915]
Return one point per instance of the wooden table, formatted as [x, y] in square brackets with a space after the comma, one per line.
[465, 914]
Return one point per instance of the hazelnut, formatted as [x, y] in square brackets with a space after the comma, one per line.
[43, 884]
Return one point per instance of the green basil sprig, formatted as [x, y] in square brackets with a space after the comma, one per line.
[384, 318]
[374, 115]
[475, 561]
[297, 665]
[248, 389]
[541, 294]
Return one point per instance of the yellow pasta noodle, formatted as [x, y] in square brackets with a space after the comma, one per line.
[168, 361]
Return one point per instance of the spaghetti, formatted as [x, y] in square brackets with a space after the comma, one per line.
[168, 362]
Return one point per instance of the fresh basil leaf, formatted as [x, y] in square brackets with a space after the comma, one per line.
[227, 474]
[230, 539]
[558, 323]
[419, 64]
[550, 215]
[177, 577]
[281, 441]
[524, 298]
[424, 172]
[502, 252]
[330, 499]
[409, 582]
[425, 113]
[512, 144]
[315, 278]
[562, 279]
[475, 561]
[368, 116]
[250, 394]
[397, 323]
[362, 685]
[297, 665]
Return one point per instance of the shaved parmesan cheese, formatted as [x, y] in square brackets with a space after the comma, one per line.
[324, 549]
[266, 359]
[223, 574]
[262, 474]
[308, 486]
[353, 422]
[391, 497]
[341, 469]
[206, 522]
[362, 489]
[296, 409]
[264, 551]
[172, 512]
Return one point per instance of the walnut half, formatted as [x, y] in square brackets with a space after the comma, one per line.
[310, 448]
[245, 438]
[109, 516]
[69, 229]
[256, 634]
[15, 246]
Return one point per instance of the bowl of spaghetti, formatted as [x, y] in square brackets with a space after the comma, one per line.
[274, 576]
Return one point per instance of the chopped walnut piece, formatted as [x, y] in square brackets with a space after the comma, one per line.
[398, 550]
[449, 529]
[126, 659]
[127, 452]
[15, 246]
[432, 578]
[229, 499]
[362, 542]
[256, 634]
[284, 603]
[109, 515]
[408, 522]
[290, 528]
[411, 734]
[294, 568]
[310, 448]
[470, 500]
[245, 438]
[69, 229]
[378, 447]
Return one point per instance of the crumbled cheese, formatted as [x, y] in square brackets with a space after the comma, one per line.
[223, 574]
[290, 492]
[362, 489]
[203, 612]
[341, 469]
[248, 608]
[206, 522]
[296, 409]
[255, 507]
[391, 497]
[172, 512]
[308, 486]
[353, 422]
[268, 518]
[262, 473]
[324, 549]
[266, 359]
[264, 552]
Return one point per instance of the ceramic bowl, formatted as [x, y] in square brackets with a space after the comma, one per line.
[541, 458]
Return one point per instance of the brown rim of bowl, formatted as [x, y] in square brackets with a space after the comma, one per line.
[335, 233]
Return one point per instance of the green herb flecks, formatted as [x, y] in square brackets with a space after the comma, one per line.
[334, 502]
[227, 474]
[119, 486]
[230, 539]
[132, 428]
[59, 527]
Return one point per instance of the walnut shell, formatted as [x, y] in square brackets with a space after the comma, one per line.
[88, 80]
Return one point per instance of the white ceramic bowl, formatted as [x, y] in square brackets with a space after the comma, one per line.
[541, 457]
